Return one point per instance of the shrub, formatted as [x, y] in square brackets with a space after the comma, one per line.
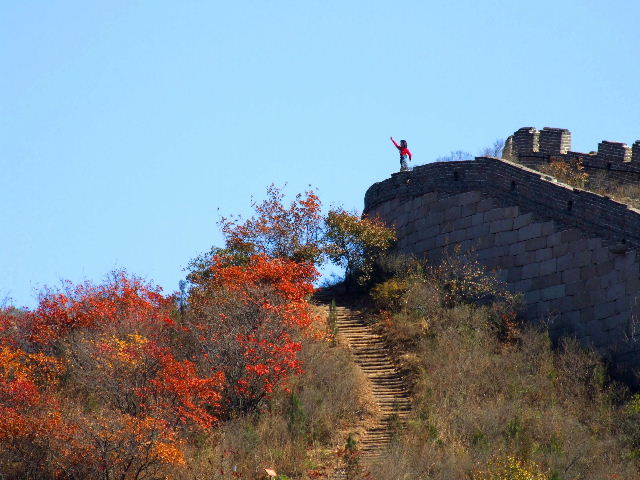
[571, 173]
[492, 397]
[355, 243]
[511, 468]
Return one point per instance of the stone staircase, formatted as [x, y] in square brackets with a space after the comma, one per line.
[372, 356]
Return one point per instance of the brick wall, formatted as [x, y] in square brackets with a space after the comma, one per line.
[614, 163]
[614, 151]
[572, 253]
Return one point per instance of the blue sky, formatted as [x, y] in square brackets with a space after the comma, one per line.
[126, 127]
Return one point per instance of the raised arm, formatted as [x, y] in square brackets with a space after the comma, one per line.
[395, 143]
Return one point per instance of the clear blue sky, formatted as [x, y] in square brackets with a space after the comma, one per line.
[125, 125]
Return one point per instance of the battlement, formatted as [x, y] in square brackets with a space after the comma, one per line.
[557, 141]
[615, 163]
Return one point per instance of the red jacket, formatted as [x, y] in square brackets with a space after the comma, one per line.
[403, 150]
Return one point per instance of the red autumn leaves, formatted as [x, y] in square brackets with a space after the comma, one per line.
[117, 380]
[111, 377]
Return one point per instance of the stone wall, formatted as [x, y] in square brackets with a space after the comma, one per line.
[571, 252]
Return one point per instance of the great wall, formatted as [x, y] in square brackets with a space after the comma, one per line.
[571, 252]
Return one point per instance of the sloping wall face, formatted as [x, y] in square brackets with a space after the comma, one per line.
[572, 253]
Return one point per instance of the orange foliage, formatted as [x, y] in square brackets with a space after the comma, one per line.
[129, 393]
[245, 318]
[278, 231]
[123, 299]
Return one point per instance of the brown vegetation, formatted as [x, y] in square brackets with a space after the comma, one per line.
[492, 398]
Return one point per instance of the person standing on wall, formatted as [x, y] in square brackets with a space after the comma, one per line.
[404, 154]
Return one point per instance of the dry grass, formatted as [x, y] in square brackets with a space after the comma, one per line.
[488, 393]
[298, 432]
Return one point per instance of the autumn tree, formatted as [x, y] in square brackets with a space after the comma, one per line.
[355, 242]
[247, 319]
[117, 358]
[277, 230]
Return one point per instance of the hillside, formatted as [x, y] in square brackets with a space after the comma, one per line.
[412, 366]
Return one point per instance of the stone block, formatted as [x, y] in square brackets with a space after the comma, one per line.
[596, 286]
[477, 219]
[601, 255]
[594, 243]
[532, 296]
[457, 236]
[571, 275]
[615, 292]
[469, 197]
[485, 205]
[425, 244]
[462, 223]
[632, 285]
[622, 305]
[548, 266]
[525, 258]
[494, 214]
[522, 220]
[610, 278]
[570, 235]
[530, 270]
[468, 209]
[506, 261]
[486, 241]
[550, 293]
[622, 262]
[581, 300]
[446, 227]
[452, 213]
[434, 218]
[514, 274]
[516, 248]
[477, 232]
[554, 239]
[530, 231]
[588, 273]
[561, 304]
[560, 250]
[579, 245]
[521, 285]
[548, 228]
[506, 238]
[615, 322]
[604, 267]
[467, 245]
[573, 288]
[543, 254]
[582, 258]
[544, 281]
[587, 316]
[565, 262]
[604, 310]
[502, 225]
[511, 212]
[501, 275]
[535, 243]
[442, 240]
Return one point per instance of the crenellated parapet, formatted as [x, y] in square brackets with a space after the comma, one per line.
[615, 151]
[549, 141]
[613, 164]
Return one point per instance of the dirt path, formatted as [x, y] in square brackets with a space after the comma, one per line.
[372, 356]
